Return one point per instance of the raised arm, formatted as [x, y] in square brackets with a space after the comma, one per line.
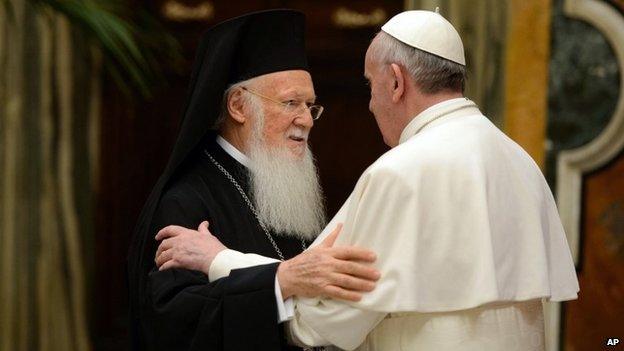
[337, 272]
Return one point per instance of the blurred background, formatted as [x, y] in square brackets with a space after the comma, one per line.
[91, 96]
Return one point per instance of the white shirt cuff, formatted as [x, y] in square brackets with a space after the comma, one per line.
[285, 309]
[227, 260]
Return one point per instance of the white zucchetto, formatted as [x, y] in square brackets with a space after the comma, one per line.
[427, 31]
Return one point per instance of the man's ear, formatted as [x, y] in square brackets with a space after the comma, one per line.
[236, 106]
[399, 82]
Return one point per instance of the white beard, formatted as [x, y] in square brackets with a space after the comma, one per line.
[285, 189]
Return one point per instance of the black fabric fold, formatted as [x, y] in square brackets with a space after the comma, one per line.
[181, 310]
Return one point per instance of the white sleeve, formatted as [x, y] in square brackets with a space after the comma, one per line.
[227, 260]
[330, 322]
[285, 309]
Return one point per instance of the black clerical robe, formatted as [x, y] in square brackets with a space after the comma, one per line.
[183, 310]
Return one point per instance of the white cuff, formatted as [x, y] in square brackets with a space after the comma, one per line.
[285, 309]
[227, 260]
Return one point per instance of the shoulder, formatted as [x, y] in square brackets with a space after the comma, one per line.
[460, 142]
[181, 194]
[454, 150]
[388, 177]
[185, 201]
[398, 166]
[192, 184]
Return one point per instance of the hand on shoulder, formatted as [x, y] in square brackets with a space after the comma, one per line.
[187, 248]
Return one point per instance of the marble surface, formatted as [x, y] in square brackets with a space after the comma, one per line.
[583, 86]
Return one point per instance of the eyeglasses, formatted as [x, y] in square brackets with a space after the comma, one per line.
[293, 107]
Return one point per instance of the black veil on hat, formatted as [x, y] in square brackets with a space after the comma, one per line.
[232, 51]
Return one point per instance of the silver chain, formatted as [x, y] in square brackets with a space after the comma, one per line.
[251, 206]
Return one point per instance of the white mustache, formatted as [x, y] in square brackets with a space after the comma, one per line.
[298, 133]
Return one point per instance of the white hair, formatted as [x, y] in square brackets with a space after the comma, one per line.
[431, 73]
[247, 98]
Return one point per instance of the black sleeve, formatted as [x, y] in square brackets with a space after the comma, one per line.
[184, 311]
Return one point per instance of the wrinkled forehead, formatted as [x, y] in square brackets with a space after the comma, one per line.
[297, 82]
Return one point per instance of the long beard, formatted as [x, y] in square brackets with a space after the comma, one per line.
[285, 189]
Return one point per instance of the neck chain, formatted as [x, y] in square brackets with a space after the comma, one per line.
[250, 205]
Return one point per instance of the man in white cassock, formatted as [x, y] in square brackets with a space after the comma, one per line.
[466, 231]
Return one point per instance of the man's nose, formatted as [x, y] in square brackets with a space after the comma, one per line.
[304, 119]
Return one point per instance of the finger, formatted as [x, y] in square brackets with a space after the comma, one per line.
[168, 265]
[348, 282]
[165, 245]
[164, 257]
[336, 292]
[203, 227]
[352, 253]
[358, 270]
[331, 238]
[159, 250]
[170, 231]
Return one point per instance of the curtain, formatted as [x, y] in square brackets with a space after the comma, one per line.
[482, 26]
[49, 112]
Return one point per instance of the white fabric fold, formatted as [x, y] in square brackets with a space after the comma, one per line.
[285, 308]
[227, 260]
[233, 151]
[459, 216]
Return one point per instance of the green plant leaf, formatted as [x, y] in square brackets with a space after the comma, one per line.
[127, 48]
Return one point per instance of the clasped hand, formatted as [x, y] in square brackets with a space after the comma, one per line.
[343, 272]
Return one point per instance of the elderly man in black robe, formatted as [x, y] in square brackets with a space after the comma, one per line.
[242, 163]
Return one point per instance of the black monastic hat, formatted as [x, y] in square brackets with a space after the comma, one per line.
[232, 51]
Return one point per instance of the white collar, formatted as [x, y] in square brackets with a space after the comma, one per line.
[434, 112]
[233, 151]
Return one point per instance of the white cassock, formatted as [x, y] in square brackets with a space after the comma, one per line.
[468, 242]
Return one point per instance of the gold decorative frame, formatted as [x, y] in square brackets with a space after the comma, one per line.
[572, 164]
